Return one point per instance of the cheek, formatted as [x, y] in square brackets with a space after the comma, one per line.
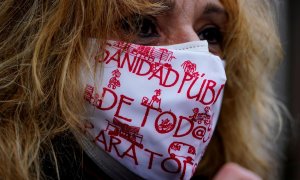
[216, 50]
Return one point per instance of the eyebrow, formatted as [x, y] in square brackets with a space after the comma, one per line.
[212, 8]
[168, 5]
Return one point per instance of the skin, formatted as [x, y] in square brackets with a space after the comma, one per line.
[185, 21]
[232, 171]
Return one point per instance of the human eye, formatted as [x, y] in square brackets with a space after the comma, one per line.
[147, 31]
[147, 28]
[143, 30]
[211, 34]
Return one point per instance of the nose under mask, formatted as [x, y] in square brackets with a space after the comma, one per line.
[151, 110]
[195, 46]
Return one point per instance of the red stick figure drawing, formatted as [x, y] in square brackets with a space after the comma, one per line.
[205, 117]
[155, 98]
[145, 51]
[171, 58]
[114, 81]
[184, 150]
[190, 68]
[130, 133]
[195, 115]
[165, 55]
[155, 101]
[165, 126]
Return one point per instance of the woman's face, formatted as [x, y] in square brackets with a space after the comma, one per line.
[184, 21]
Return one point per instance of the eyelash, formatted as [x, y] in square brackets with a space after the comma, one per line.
[212, 34]
[143, 30]
[147, 32]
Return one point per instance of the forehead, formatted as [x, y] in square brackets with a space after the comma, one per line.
[173, 4]
[194, 7]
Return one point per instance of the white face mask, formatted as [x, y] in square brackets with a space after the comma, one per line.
[154, 109]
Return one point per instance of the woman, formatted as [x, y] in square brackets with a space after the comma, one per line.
[44, 47]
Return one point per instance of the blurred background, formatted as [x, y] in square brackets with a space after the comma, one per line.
[288, 86]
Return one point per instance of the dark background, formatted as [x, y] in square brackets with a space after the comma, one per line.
[288, 86]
